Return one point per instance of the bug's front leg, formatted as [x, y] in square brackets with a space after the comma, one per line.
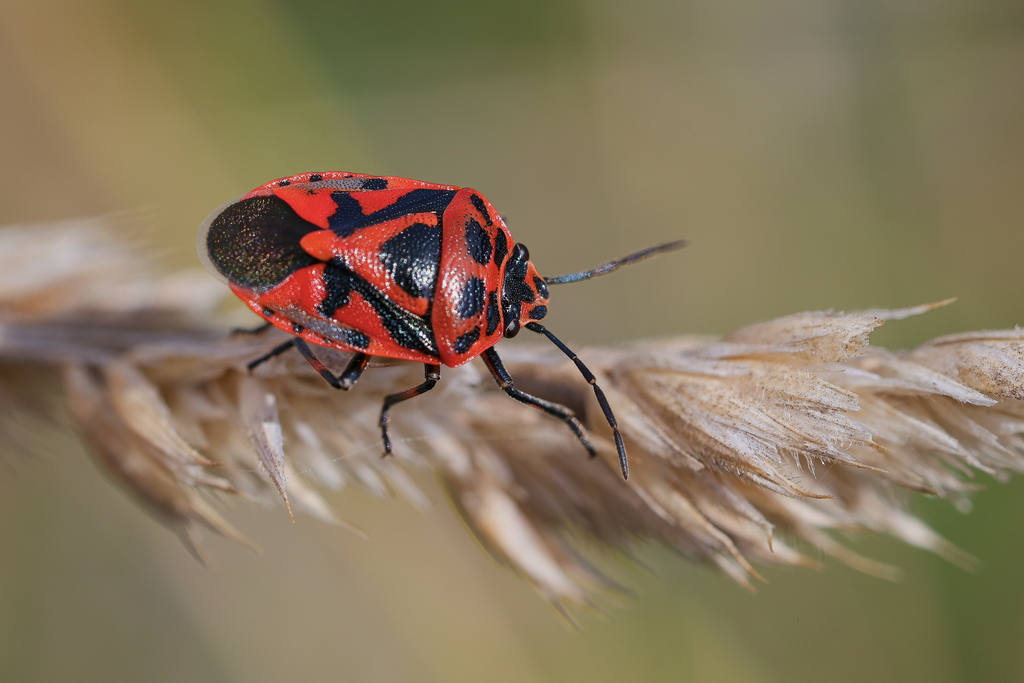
[557, 410]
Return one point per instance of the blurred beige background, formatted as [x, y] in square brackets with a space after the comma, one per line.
[816, 154]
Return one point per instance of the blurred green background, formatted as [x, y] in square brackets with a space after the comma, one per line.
[839, 154]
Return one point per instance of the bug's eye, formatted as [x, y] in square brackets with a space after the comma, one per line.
[512, 328]
[519, 258]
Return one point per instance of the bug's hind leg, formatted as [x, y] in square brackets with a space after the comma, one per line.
[262, 327]
[504, 381]
[431, 374]
[273, 353]
[348, 377]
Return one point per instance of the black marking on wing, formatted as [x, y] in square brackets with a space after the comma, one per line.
[255, 242]
[357, 339]
[412, 257]
[375, 184]
[339, 282]
[407, 329]
[349, 216]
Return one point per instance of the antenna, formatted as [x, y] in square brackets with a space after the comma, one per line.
[606, 268]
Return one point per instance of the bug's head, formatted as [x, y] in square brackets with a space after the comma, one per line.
[525, 293]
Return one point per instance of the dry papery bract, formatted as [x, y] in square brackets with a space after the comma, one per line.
[749, 449]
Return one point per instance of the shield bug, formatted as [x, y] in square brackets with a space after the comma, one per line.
[391, 267]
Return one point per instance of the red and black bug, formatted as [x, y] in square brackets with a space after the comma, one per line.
[392, 267]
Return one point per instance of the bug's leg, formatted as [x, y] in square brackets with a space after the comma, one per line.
[252, 330]
[431, 374]
[504, 381]
[592, 381]
[276, 351]
[348, 377]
